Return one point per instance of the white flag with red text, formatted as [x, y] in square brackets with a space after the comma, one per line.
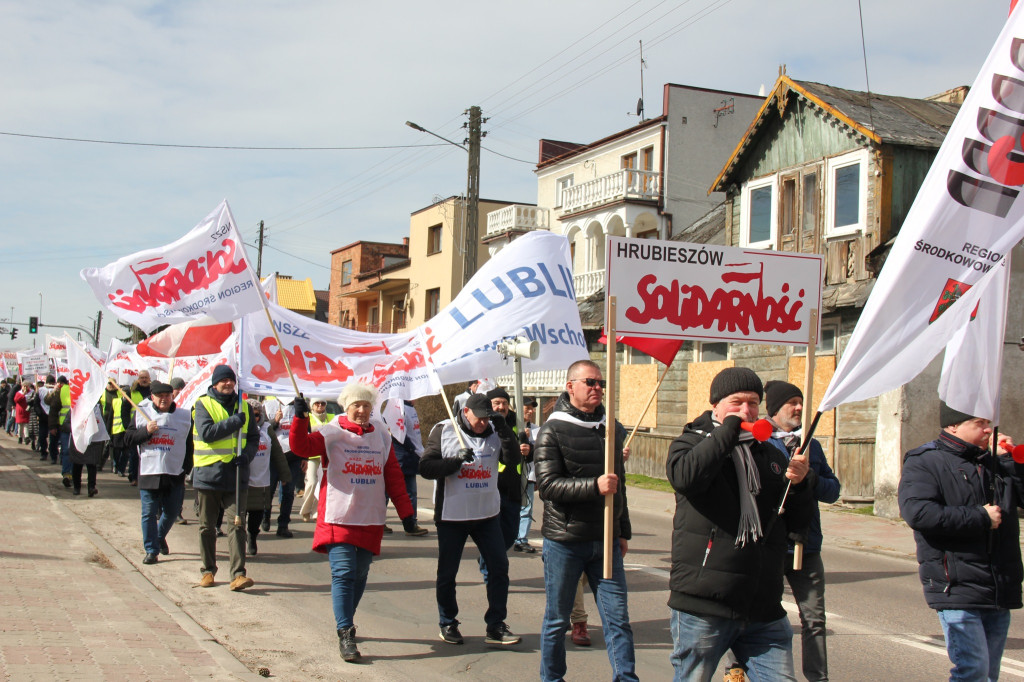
[87, 382]
[205, 273]
[965, 220]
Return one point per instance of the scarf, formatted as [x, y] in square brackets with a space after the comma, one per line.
[749, 479]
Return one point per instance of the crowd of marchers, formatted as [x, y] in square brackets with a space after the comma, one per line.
[732, 546]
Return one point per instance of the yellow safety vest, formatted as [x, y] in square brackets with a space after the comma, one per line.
[65, 403]
[118, 426]
[315, 423]
[222, 450]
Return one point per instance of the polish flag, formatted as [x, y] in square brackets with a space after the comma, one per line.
[197, 337]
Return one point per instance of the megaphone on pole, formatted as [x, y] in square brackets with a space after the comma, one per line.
[519, 347]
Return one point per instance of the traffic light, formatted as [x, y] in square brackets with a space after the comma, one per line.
[33, 325]
[14, 333]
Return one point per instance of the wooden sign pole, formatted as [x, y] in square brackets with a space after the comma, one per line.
[609, 437]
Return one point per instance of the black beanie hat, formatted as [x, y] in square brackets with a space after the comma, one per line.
[222, 372]
[778, 393]
[498, 392]
[734, 380]
[948, 416]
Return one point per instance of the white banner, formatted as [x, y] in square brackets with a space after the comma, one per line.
[87, 382]
[56, 347]
[197, 386]
[675, 290]
[206, 272]
[525, 289]
[967, 216]
[34, 363]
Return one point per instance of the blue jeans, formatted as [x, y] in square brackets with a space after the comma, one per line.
[974, 641]
[65, 457]
[287, 498]
[160, 509]
[451, 540]
[508, 520]
[564, 563]
[699, 642]
[526, 514]
[349, 567]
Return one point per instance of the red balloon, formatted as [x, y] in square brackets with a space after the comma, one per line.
[761, 429]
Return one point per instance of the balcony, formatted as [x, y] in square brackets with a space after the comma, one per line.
[517, 217]
[623, 184]
[588, 283]
[543, 380]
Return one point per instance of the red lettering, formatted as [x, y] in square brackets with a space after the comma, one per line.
[362, 469]
[320, 369]
[474, 473]
[77, 384]
[1001, 167]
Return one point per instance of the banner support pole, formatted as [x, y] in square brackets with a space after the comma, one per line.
[650, 401]
[609, 436]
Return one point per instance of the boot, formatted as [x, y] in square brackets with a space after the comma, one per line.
[347, 644]
[580, 636]
[252, 549]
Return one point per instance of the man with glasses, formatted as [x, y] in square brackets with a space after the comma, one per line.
[571, 478]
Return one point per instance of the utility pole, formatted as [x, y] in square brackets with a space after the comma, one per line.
[472, 194]
[259, 252]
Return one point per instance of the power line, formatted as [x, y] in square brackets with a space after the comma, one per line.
[212, 146]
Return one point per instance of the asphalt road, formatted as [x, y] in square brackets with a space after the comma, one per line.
[878, 623]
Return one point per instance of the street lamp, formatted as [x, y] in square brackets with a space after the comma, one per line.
[472, 187]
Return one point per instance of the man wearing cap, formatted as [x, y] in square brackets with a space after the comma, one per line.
[962, 506]
[220, 421]
[569, 460]
[729, 545]
[163, 435]
[464, 467]
[784, 403]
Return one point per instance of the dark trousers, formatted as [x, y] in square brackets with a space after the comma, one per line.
[808, 585]
[287, 499]
[451, 540]
[42, 439]
[54, 447]
[508, 519]
[76, 475]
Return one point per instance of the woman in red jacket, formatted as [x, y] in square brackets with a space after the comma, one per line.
[21, 399]
[360, 472]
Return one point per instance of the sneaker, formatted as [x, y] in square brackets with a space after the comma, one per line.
[451, 634]
[93, 492]
[524, 547]
[181, 520]
[418, 531]
[347, 644]
[580, 636]
[66, 480]
[151, 559]
[501, 635]
[736, 674]
[241, 582]
[164, 549]
[221, 533]
[206, 580]
[265, 525]
[284, 533]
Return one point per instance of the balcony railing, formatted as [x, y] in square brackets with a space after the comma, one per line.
[544, 380]
[588, 283]
[623, 184]
[517, 217]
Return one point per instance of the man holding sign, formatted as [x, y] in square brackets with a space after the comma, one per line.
[571, 478]
[729, 544]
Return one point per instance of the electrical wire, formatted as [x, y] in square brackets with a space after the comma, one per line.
[211, 146]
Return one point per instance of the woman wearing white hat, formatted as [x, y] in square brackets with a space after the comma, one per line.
[360, 472]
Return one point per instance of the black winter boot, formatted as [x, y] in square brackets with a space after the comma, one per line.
[347, 644]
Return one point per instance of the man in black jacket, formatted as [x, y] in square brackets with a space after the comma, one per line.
[569, 460]
[968, 538]
[466, 504]
[729, 545]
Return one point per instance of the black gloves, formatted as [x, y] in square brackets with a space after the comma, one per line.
[237, 421]
[733, 422]
[301, 407]
[499, 422]
[466, 455]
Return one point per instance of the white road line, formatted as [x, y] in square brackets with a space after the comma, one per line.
[1009, 666]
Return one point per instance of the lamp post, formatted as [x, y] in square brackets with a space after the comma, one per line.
[472, 187]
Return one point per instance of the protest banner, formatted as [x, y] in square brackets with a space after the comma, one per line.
[518, 292]
[674, 290]
[965, 220]
[56, 347]
[87, 383]
[205, 273]
[35, 365]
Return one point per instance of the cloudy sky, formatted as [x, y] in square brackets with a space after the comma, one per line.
[321, 74]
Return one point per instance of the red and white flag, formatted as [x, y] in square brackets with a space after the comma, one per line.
[205, 273]
[87, 382]
[197, 337]
[954, 244]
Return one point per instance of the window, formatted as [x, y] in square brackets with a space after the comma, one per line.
[434, 240]
[433, 303]
[826, 343]
[710, 352]
[847, 194]
[758, 214]
[373, 317]
[346, 273]
[561, 185]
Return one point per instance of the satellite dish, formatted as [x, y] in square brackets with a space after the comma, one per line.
[640, 107]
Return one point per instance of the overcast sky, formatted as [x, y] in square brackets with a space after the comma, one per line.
[345, 74]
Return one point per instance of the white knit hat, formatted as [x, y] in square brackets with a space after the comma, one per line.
[354, 392]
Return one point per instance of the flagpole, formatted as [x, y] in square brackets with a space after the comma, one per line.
[650, 401]
[444, 399]
[609, 436]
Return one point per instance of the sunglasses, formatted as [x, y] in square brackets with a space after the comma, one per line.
[593, 382]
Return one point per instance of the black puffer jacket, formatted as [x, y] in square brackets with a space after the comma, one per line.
[569, 458]
[942, 494]
[710, 575]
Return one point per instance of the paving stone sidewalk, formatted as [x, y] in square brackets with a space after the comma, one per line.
[75, 609]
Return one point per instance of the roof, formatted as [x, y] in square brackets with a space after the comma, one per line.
[889, 119]
[296, 295]
[580, 149]
[708, 229]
